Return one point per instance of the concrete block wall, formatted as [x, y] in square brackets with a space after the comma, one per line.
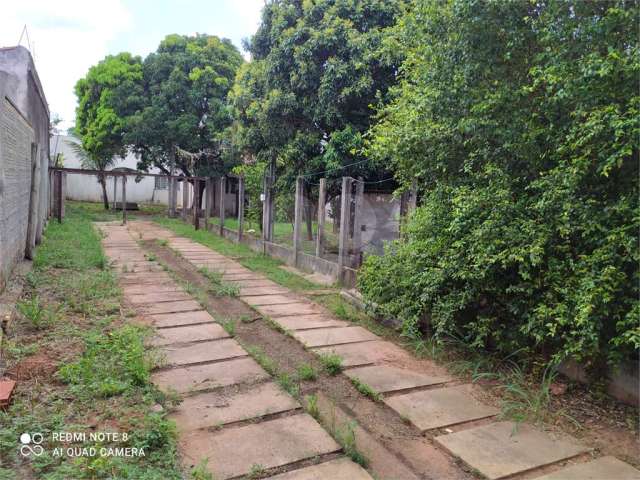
[16, 137]
[24, 159]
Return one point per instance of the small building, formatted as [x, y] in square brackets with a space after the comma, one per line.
[24, 159]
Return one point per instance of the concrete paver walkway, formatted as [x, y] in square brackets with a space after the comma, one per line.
[221, 386]
[496, 450]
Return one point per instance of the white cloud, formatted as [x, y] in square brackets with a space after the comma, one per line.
[66, 37]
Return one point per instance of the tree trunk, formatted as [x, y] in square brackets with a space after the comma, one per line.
[201, 187]
[105, 198]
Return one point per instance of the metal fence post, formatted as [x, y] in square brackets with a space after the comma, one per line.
[345, 220]
[240, 207]
[223, 185]
[322, 193]
[297, 219]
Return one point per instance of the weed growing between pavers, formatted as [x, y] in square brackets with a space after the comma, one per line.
[219, 287]
[98, 377]
[306, 372]
[331, 362]
[366, 390]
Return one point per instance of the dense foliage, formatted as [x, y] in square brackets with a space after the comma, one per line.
[185, 83]
[176, 97]
[304, 99]
[520, 122]
[109, 93]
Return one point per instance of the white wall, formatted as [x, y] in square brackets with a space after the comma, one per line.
[86, 187]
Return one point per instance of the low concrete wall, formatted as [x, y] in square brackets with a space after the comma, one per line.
[307, 263]
[622, 382]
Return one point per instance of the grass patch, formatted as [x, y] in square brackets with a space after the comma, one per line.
[366, 390]
[262, 358]
[311, 406]
[219, 287]
[346, 437]
[306, 372]
[102, 378]
[331, 362]
[229, 325]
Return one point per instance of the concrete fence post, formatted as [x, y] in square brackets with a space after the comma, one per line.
[196, 203]
[185, 198]
[124, 199]
[59, 195]
[171, 195]
[322, 200]
[115, 192]
[240, 207]
[357, 220]
[223, 185]
[207, 202]
[345, 221]
[297, 219]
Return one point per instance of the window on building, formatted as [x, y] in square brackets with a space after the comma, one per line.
[162, 183]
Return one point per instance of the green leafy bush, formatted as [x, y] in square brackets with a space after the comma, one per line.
[519, 121]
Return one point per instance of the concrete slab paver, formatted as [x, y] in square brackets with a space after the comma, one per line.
[170, 307]
[218, 408]
[357, 354]
[279, 299]
[302, 322]
[501, 449]
[334, 336]
[146, 298]
[202, 352]
[274, 443]
[209, 376]
[386, 378]
[301, 308]
[605, 468]
[339, 469]
[164, 320]
[257, 291]
[188, 333]
[440, 407]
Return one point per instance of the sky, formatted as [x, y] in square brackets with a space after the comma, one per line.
[66, 37]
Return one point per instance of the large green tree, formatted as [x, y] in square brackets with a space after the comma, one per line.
[520, 122]
[110, 92]
[186, 82]
[305, 99]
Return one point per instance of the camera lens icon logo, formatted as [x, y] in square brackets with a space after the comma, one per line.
[31, 444]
